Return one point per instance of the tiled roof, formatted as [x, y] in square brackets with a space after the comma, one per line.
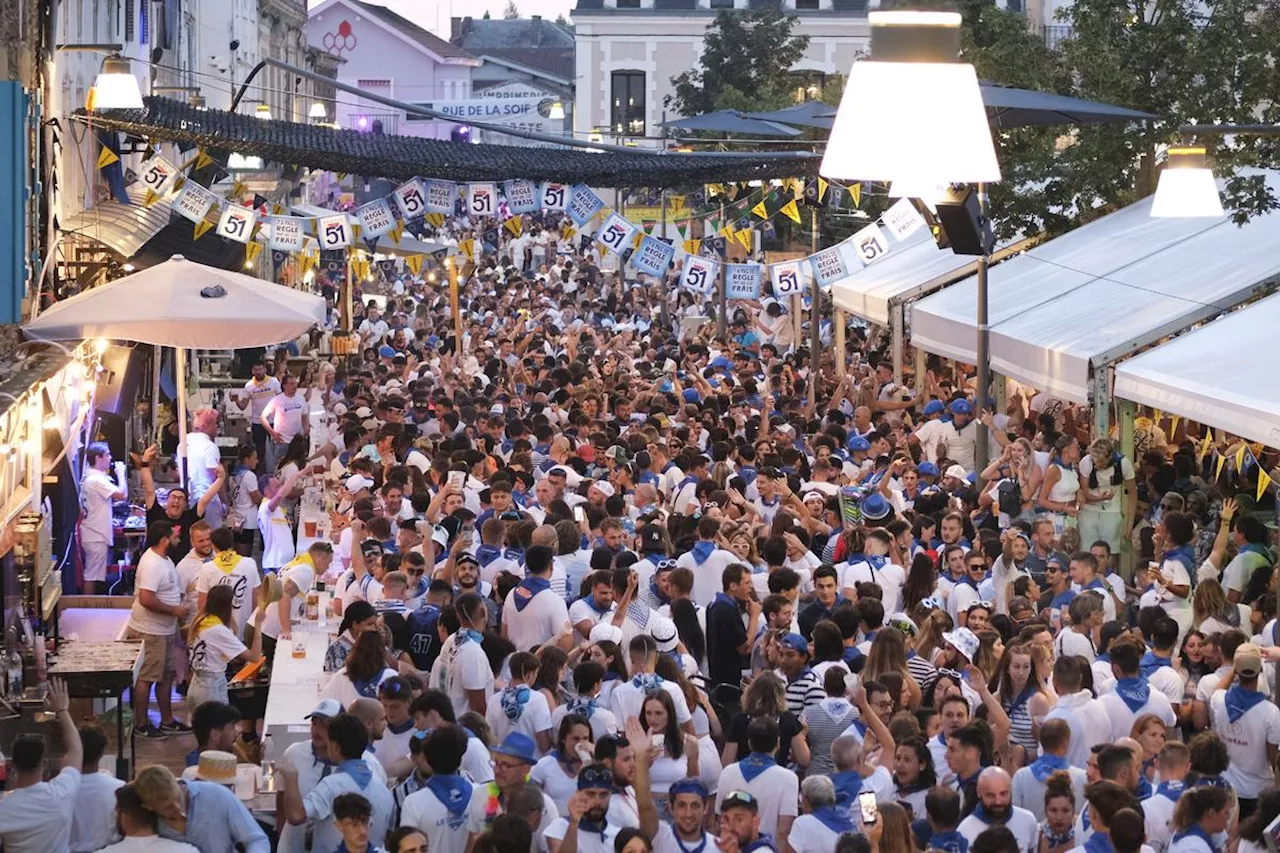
[429, 40]
[534, 43]
[555, 62]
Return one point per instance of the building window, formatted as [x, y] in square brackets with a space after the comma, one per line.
[628, 103]
[627, 4]
[128, 21]
[808, 5]
[807, 86]
[722, 4]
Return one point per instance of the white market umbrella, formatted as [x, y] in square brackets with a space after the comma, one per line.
[184, 305]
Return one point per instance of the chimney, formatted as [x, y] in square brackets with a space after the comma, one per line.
[455, 29]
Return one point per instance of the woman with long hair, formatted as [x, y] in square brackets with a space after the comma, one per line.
[552, 661]
[358, 618]
[557, 771]
[888, 654]
[1212, 613]
[929, 642]
[895, 830]
[1058, 829]
[679, 757]
[922, 577]
[366, 668]
[913, 774]
[214, 643]
[1149, 731]
[1060, 490]
[1201, 813]
[1252, 828]
[1023, 697]
[685, 615]
[706, 722]
[828, 648]
[1017, 464]
[766, 697]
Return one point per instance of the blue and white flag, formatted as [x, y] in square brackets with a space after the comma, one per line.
[742, 281]
[653, 257]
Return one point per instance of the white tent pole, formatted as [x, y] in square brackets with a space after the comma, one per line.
[181, 369]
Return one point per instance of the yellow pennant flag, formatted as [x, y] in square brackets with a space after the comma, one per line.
[515, 225]
[277, 209]
[203, 160]
[744, 237]
[791, 211]
[202, 226]
[1217, 471]
[414, 263]
[307, 261]
[691, 246]
[797, 187]
[1173, 424]
[435, 220]
[179, 182]
[855, 193]
[1204, 445]
[635, 242]
[251, 251]
[760, 210]
[237, 189]
[396, 233]
[257, 226]
[468, 248]
[822, 189]
[106, 157]
[341, 176]
[727, 231]
[1264, 480]
[150, 198]
[568, 231]
[1244, 448]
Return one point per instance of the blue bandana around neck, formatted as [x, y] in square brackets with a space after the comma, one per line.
[981, 814]
[453, 792]
[1099, 842]
[646, 681]
[358, 769]
[513, 700]
[401, 728]
[515, 555]
[834, 818]
[1055, 840]
[950, 842]
[1103, 658]
[1196, 831]
[594, 827]
[1134, 691]
[724, 598]
[755, 764]
[764, 841]
[368, 688]
[1046, 765]
[658, 595]
[585, 707]
[1239, 701]
[1151, 662]
[591, 602]
[1171, 791]
[1022, 698]
[1186, 555]
[1261, 550]
[527, 589]
[702, 550]
[848, 784]
[861, 726]
[1212, 782]
[486, 554]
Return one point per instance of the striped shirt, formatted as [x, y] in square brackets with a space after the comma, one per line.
[826, 721]
[802, 692]
[922, 671]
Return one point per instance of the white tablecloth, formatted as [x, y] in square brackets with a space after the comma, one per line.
[296, 684]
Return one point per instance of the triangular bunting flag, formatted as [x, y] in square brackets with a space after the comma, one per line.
[760, 210]
[727, 231]
[855, 194]
[744, 237]
[1264, 480]
[435, 220]
[202, 226]
[1240, 457]
[277, 209]
[791, 211]
[1204, 446]
[397, 232]
[251, 252]
[647, 225]
[237, 189]
[691, 246]
[257, 226]
[203, 160]
[635, 242]
[106, 157]
[568, 231]
[468, 248]
[259, 200]
[150, 198]
[822, 188]
[1217, 472]
[414, 263]
[340, 176]
[515, 225]
[179, 182]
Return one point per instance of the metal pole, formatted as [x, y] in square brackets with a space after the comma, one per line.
[180, 368]
[347, 307]
[840, 357]
[155, 396]
[722, 321]
[815, 302]
[452, 265]
[982, 353]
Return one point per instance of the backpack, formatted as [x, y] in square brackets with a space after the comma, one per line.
[1117, 472]
[1009, 496]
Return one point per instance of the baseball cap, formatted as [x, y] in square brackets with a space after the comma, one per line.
[927, 469]
[934, 407]
[356, 482]
[386, 351]
[604, 487]
[328, 708]
[858, 444]
[740, 800]
[961, 407]
[958, 472]
[364, 412]
[795, 642]
[618, 454]
[1247, 661]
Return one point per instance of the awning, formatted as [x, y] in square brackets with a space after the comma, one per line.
[1102, 292]
[1218, 374]
[914, 268]
[123, 228]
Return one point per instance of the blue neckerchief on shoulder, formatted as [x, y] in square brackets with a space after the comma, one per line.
[1099, 842]
[400, 728]
[1134, 691]
[1151, 662]
[515, 555]
[1186, 555]
[1171, 791]
[764, 841]
[1057, 840]
[834, 818]
[1239, 701]
[1261, 550]
[848, 784]
[748, 474]
[1212, 782]
[981, 814]
[591, 602]
[1144, 788]
[807, 671]
[1103, 658]
[658, 595]
[755, 764]
[527, 589]
[468, 635]
[702, 550]
[368, 688]
[951, 842]
[453, 792]
[1064, 598]
[1196, 831]
[358, 769]
[1096, 583]
[1046, 765]
[513, 699]
[486, 554]
[724, 598]
[585, 707]
[646, 681]
[850, 654]
[861, 726]
[1022, 698]
[594, 827]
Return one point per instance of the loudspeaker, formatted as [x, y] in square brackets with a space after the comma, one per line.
[121, 378]
[967, 231]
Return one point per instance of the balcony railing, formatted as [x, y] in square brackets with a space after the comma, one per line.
[1055, 34]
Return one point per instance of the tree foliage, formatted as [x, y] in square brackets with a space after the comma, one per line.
[510, 13]
[746, 62]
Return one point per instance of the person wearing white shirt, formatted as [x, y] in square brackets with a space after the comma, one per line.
[995, 797]
[204, 464]
[687, 801]
[462, 670]
[1131, 696]
[1084, 715]
[1207, 815]
[627, 697]
[1077, 639]
[1173, 763]
[1030, 782]
[228, 568]
[35, 817]
[587, 679]
[707, 562]
[98, 492]
[533, 613]
[776, 789]
[138, 826]
[440, 808]
[1249, 724]
[599, 606]
[588, 810]
[822, 823]
[878, 569]
[285, 417]
[519, 707]
[258, 391]
[278, 544]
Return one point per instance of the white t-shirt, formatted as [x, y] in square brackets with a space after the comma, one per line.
[446, 833]
[889, 577]
[319, 807]
[459, 668]
[284, 413]
[243, 484]
[477, 820]
[214, 648]
[159, 575]
[278, 546]
[259, 394]
[1122, 718]
[340, 687]
[708, 576]
[93, 823]
[777, 791]
[37, 819]
[626, 699]
[535, 716]
[542, 618]
[1028, 791]
[243, 579]
[1157, 816]
[664, 841]
[602, 720]
[1105, 476]
[1088, 722]
[810, 835]
[96, 491]
[1247, 740]
[557, 785]
[588, 842]
[149, 844]
[202, 455]
[303, 574]
[582, 611]
[1021, 823]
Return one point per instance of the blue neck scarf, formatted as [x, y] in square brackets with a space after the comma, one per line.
[1239, 700]
[1151, 662]
[848, 784]
[585, 707]
[834, 818]
[401, 728]
[1261, 550]
[1186, 555]
[593, 827]
[724, 598]
[366, 688]
[1055, 840]
[358, 769]
[981, 814]
[1212, 782]
[453, 792]
[1196, 831]
[1103, 658]
[513, 700]
[951, 842]
[591, 602]
[527, 589]
[1046, 765]
[702, 550]
[486, 554]
[764, 841]
[1134, 691]
[1022, 698]
[646, 681]
[468, 635]
[515, 555]
[1171, 791]
[1144, 788]
[755, 764]
[657, 593]
[1099, 842]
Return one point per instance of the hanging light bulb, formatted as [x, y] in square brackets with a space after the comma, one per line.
[100, 345]
[318, 111]
[556, 113]
[115, 87]
[262, 111]
[1186, 188]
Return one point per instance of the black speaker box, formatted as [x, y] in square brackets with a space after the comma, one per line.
[967, 231]
[124, 369]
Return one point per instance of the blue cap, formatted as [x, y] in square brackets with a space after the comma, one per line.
[721, 363]
[665, 386]
[858, 443]
[927, 469]
[691, 395]
[688, 785]
[795, 642]
[973, 477]
[961, 407]
[933, 407]
[386, 351]
[517, 745]
[875, 507]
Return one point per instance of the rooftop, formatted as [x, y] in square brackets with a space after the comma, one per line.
[430, 41]
[691, 7]
[537, 44]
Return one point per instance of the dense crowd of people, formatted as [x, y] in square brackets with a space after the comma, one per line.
[610, 582]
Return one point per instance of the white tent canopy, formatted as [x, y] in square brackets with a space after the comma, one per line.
[1102, 292]
[183, 304]
[1216, 374]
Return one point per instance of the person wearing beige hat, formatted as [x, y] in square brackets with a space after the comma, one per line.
[1249, 725]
